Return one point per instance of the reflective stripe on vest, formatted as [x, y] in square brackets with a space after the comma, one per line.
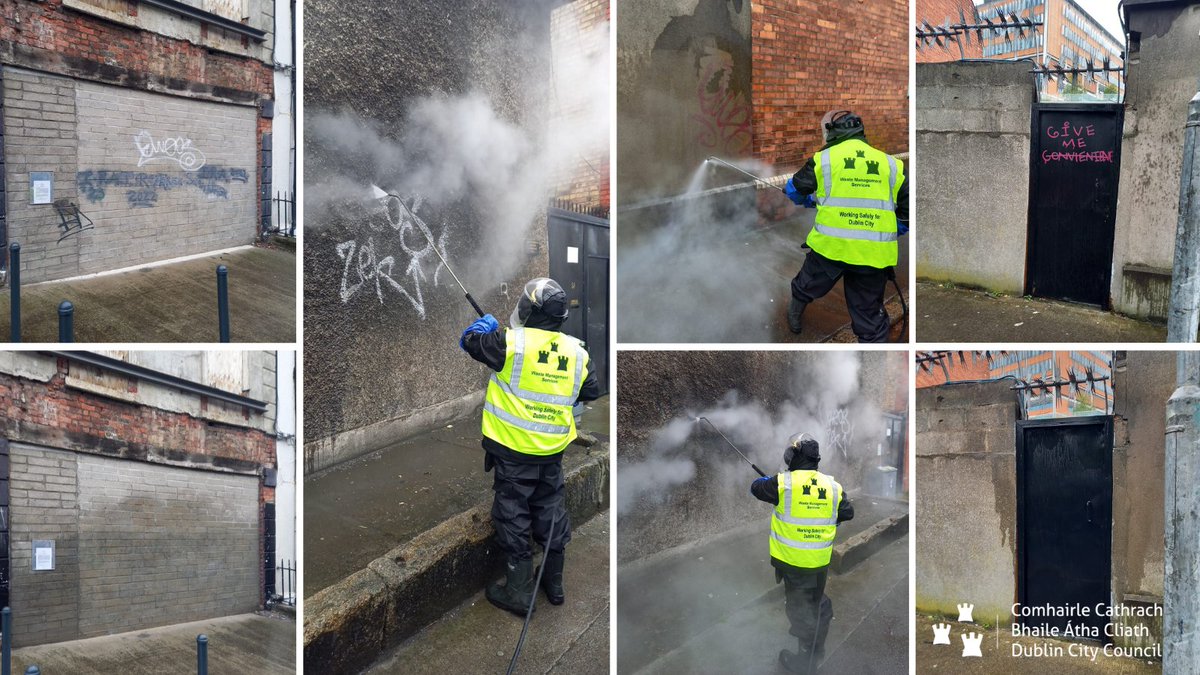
[856, 213]
[805, 539]
[528, 406]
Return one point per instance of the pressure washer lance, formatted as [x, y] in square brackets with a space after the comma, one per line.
[740, 170]
[380, 194]
[512, 665]
[735, 448]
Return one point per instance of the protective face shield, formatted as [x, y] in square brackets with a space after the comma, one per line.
[837, 124]
[541, 295]
[801, 445]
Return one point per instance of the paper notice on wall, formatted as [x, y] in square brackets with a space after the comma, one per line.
[43, 556]
[572, 254]
[42, 186]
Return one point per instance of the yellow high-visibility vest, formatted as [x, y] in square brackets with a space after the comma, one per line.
[805, 519]
[857, 188]
[528, 403]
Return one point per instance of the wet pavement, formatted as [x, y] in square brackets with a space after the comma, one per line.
[245, 643]
[947, 314]
[713, 606]
[361, 509]
[997, 648]
[169, 303]
[570, 638]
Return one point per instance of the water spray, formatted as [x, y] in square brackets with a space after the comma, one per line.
[735, 448]
[739, 170]
[380, 194]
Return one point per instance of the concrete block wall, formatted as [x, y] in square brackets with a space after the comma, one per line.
[966, 498]
[973, 123]
[161, 545]
[43, 504]
[161, 176]
[39, 135]
[1159, 85]
[808, 63]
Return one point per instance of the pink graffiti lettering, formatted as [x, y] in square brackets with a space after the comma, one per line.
[724, 115]
[1094, 156]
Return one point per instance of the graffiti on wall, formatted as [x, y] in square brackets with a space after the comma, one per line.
[177, 149]
[143, 189]
[839, 432]
[364, 265]
[724, 119]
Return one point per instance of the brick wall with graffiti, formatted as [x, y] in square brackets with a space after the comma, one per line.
[135, 177]
[807, 63]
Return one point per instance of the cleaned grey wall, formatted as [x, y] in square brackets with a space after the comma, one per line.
[973, 173]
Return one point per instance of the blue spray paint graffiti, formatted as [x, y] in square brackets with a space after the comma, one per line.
[145, 187]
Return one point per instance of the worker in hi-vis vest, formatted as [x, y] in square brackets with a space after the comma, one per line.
[861, 197]
[527, 422]
[808, 507]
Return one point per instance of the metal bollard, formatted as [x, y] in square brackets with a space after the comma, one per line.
[223, 301]
[6, 656]
[14, 289]
[33, 670]
[202, 654]
[66, 321]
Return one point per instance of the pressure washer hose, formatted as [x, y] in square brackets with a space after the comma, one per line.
[512, 665]
[903, 304]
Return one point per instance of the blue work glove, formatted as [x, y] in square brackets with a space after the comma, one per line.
[809, 202]
[485, 324]
[902, 227]
[792, 193]
[756, 481]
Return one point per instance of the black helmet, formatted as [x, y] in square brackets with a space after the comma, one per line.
[839, 124]
[542, 296]
[801, 446]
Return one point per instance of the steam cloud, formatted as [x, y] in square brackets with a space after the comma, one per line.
[462, 149]
[825, 403]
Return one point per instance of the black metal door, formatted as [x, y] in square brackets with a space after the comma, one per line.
[1064, 517]
[579, 261]
[1074, 168]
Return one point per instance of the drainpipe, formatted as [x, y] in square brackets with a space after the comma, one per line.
[1181, 649]
[1184, 315]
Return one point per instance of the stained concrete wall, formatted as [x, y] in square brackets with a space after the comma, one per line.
[657, 387]
[1142, 382]
[138, 545]
[973, 172]
[382, 323]
[683, 91]
[966, 507]
[160, 176]
[1159, 84]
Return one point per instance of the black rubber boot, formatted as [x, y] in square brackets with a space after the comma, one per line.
[552, 578]
[795, 315]
[799, 661]
[517, 591]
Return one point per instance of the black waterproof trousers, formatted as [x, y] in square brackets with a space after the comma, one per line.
[809, 610]
[527, 498]
[864, 287]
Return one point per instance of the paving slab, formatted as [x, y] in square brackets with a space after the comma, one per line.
[947, 314]
[475, 637]
[168, 303]
[245, 643]
[665, 600]
[361, 509]
[868, 633]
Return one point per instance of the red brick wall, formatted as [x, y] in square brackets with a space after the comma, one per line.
[812, 57]
[937, 13]
[59, 40]
[586, 180]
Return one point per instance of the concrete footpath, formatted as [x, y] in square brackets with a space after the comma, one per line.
[168, 303]
[245, 643]
[714, 607]
[361, 509]
[475, 637]
[947, 314]
[996, 649]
